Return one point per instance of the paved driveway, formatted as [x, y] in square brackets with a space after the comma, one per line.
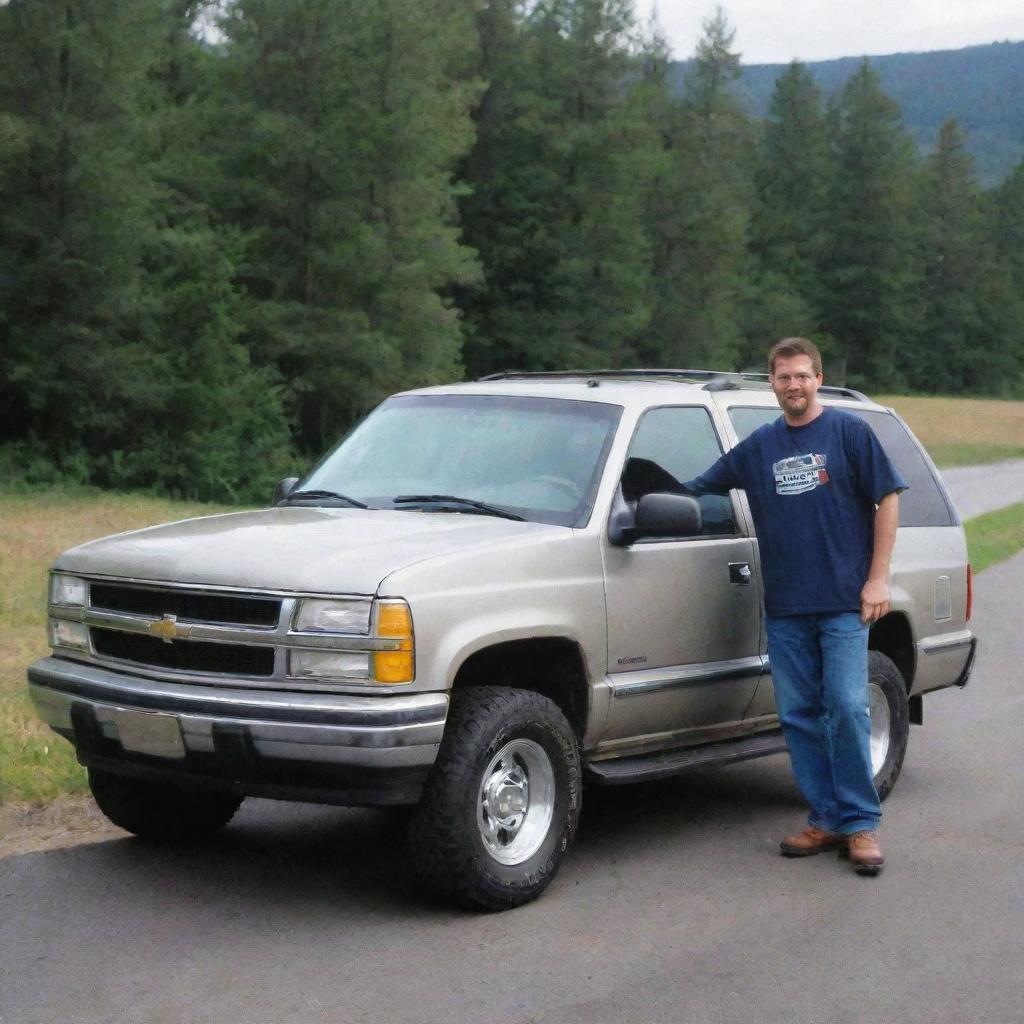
[673, 907]
[979, 489]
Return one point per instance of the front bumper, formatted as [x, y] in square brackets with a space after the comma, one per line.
[331, 748]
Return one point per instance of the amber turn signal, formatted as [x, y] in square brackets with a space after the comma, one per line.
[394, 621]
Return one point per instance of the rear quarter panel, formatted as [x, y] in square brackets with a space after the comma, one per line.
[929, 585]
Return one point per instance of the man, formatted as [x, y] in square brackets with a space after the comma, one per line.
[825, 501]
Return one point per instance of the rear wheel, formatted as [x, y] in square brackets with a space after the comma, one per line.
[161, 811]
[889, 710]
[501, 806]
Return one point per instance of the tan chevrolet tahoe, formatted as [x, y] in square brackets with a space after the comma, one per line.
[485, 596]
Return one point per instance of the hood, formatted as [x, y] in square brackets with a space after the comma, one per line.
[318, 550]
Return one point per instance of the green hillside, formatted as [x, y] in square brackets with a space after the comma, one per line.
[981, 86]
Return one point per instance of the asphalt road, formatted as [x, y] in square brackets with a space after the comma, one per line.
[979, 489]
[673, 907]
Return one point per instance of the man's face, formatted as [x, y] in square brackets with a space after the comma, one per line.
[795, 384]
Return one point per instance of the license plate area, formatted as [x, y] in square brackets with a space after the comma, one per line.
[149, 732]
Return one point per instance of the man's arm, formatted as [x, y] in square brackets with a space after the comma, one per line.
[874, 597]
[719, 478]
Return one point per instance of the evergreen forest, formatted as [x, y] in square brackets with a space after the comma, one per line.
[228, 229]
[981, 86]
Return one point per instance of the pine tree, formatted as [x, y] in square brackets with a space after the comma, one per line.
[73, 214]
[956, 257]
[555, 207]
[700, 212]
[123, 364]
[871, 305]
[788, 231]
[341, 128]
[1002, 297]
[224, 432]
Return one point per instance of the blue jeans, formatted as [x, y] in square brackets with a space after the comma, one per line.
[819, 669]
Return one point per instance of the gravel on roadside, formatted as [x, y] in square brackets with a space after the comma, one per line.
[67, 821]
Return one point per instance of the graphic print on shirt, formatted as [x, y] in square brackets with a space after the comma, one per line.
[799, 474]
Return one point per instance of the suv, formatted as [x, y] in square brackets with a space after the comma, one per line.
[487, 594]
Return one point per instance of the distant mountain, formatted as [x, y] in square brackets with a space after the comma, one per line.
[981, 86]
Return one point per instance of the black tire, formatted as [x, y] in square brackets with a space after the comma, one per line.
[161, 811]
[495, 739]
[889, 708]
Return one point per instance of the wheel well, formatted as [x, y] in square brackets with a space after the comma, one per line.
[551, 666]
[892, 637]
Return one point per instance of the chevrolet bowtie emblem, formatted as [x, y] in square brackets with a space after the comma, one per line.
[168, 629]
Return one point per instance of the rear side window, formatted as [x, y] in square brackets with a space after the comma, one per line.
[923, 504]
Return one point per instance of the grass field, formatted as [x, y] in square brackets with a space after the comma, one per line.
[996, 536]
[36, 765]
[961, 431]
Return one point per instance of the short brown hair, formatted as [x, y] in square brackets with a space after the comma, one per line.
[789, 347]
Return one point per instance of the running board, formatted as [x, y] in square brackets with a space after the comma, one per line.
[648, 767]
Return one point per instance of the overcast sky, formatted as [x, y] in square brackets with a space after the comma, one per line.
[778, 31]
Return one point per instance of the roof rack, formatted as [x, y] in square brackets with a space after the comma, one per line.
[714, 380]
[628, 374]
[838, 392]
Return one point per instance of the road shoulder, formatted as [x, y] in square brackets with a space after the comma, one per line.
[69, 820]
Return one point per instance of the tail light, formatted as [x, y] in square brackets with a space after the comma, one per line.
[970, 591]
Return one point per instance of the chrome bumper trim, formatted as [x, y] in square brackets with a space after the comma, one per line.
[142, 625]
[943, 645]
[372, 732]
[654, 681]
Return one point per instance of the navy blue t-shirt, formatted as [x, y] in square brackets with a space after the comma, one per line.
[812, 491]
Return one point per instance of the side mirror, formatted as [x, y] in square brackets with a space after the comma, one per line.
[659, 515]
[284, 488]
[668, 515]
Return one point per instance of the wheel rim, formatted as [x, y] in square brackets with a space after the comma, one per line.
[881, 726]
[516, 801]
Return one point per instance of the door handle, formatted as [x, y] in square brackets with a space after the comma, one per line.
[739, 573]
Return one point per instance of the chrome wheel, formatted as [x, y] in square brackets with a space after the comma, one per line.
[516, 802]
[881, 726]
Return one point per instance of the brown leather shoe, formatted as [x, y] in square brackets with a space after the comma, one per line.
[864, 852]
[812, 840]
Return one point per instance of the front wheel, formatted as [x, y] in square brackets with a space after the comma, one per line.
[501, 806]
[160, 811]
[889, 710]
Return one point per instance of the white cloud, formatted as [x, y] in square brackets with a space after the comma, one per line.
[777, 31]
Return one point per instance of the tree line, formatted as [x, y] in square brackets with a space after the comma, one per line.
[220, 247]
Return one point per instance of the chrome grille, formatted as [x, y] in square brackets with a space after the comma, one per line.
[184, 655]
[223, 609]
[219, 633]
[207, 634]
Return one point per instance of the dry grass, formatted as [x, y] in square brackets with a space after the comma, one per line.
[964, 431]
[35, 764]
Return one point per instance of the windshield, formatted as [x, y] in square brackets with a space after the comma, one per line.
[539, 458]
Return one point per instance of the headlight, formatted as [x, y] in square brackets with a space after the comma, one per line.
[391, 621]
[68, 591]
[317, 616]
[69, 634]
[305, 664]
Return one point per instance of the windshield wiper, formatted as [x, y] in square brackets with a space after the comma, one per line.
[334, 495]
[450, 499]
